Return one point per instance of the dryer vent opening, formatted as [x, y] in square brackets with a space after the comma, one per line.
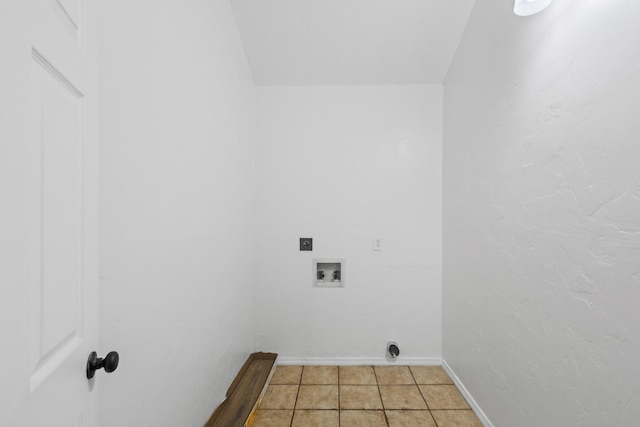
[393, 351]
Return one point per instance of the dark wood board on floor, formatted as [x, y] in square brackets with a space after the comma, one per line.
[245, 392]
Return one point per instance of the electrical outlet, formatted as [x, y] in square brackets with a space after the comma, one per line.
[377, 243]
[306, 244]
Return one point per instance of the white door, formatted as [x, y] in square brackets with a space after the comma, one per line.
[48, 219]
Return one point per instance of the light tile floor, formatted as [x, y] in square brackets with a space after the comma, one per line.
[363, 396]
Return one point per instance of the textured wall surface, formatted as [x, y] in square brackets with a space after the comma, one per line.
[342, 165]
[178, 122]
[542, 214]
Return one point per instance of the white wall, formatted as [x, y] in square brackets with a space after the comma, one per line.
[542, 214]
[342, 165]
[178, 122]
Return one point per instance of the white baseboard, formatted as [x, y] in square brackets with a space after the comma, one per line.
[359, 361]
[472, 402]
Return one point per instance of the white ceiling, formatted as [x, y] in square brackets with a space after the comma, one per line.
[350, 42]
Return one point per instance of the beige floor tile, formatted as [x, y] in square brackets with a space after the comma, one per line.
[456, 418]
[357, 375]
[402, 397]
[305, 418]
[394, 375]
[287, 375]
[280, 397]
[317, 397]
[362, 419]
[430, 375]
[443, 397]
[360, 397]
[407, 418]
[320, 375]
[272, 418]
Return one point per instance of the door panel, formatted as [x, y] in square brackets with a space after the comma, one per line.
[49, 211]
[56, 219]
[71, 8]
[69, 16]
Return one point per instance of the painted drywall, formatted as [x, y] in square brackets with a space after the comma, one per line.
[342, 165]
[354, 42]
[542, 214]
[177, 150]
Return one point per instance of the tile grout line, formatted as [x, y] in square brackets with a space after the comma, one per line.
[339, 410]
[423, 398]
[386, 419]
[295, 403]
[419, 389]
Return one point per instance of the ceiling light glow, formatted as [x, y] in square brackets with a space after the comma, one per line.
[530, 7]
